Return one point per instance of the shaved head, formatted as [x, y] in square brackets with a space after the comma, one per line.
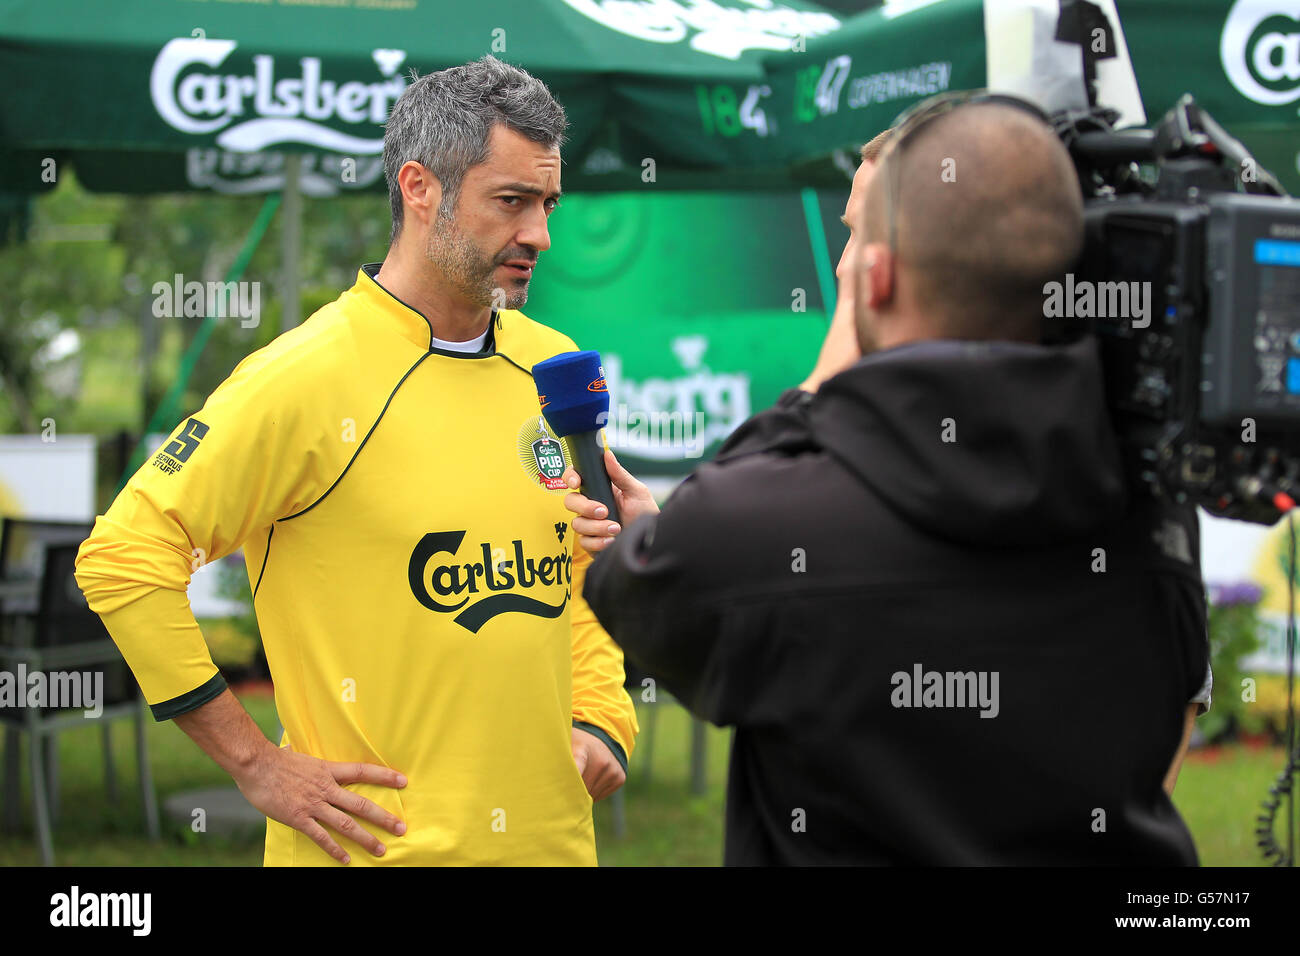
[872, 149]
[988, 209]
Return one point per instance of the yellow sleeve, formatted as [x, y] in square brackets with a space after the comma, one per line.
[600, 704]
[225, 473]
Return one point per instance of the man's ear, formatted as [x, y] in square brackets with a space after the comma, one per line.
[421, 191]
[875, 275]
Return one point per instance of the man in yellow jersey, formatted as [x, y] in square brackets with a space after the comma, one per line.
[398, 498]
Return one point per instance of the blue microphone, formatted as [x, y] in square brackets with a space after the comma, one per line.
[575, 403]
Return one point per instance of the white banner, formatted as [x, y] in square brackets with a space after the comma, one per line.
[47, 476]
[1025, 58]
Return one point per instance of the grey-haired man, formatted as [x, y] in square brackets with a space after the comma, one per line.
[437, 672]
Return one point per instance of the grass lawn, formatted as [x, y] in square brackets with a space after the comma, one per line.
[93, 832]
[1218, 794]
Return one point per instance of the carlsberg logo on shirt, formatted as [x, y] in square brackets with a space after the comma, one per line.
[1260, 50]
[267, 105]
[449, 586]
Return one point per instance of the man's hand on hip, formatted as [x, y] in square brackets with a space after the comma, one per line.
[295, 789]
[306, 793]
[600, 769]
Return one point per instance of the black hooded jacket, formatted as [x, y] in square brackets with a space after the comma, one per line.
[944, 631]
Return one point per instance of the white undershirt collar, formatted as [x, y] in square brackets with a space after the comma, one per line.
[473, 345]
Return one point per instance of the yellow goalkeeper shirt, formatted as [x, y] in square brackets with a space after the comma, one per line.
[414, 576]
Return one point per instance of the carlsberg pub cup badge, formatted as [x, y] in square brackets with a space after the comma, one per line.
[542, 454]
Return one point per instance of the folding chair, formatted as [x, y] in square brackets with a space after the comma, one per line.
[60, 635]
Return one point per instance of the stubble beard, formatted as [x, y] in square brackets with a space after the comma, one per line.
[467, 268]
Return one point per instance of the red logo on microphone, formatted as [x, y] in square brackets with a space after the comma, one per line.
[542, 399]
[597, 386]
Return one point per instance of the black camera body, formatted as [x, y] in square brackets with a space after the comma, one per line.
[1190, 279]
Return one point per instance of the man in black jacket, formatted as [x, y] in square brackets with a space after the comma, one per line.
[944, 630]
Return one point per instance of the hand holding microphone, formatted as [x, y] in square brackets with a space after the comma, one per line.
[592, 522]
[575, 404]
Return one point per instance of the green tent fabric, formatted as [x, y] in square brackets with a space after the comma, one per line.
[1241, 60]
[147, 95]
[847, 87]
[152, 96]
[1242, 63]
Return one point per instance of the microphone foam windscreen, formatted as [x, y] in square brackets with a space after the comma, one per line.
[571, 389]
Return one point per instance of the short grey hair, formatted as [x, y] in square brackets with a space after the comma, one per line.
[442, 121]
